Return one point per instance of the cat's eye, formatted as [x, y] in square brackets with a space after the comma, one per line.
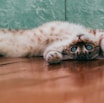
[73, 49]
[89, 47]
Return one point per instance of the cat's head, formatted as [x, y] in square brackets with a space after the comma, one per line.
[84, 46]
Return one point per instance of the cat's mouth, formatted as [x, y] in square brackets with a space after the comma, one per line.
[83, 57]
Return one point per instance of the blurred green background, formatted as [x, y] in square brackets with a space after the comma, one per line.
[25, 14]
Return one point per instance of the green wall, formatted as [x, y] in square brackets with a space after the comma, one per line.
[86, 12]
[30, 13]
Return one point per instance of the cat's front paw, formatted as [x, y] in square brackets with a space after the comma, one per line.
[53, 57]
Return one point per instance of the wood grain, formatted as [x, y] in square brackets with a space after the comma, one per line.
[32, 80]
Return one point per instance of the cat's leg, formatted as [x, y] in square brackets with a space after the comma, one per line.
[53, 56]
[55, 53]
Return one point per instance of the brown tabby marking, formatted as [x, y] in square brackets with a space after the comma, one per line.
[93, 32]
[52, 29]
[32, 40]
[4, 30]
[41, 31]
[47, 41]
[39, 39]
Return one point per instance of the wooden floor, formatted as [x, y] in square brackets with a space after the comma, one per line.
[34, 81]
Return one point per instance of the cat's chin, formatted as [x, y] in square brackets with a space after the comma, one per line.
[65, 57]
[86, 59]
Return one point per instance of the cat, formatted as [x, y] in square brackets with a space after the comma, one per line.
[55, 41]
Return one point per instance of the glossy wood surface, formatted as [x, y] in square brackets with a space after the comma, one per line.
[32, 80]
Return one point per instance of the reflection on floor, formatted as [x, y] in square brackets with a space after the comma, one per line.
[32, 80]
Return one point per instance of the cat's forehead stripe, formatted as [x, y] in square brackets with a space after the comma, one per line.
[76, 42]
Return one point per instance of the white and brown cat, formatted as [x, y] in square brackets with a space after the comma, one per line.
[55, 41]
